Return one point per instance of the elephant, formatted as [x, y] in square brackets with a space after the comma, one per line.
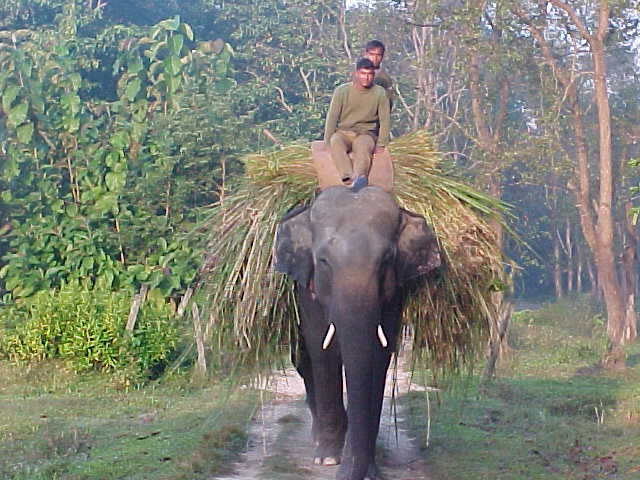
[354, 255]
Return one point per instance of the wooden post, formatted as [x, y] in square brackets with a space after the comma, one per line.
[135, 307]
[197, 327]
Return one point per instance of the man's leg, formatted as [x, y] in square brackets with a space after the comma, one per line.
[363, 147]
[340, 146]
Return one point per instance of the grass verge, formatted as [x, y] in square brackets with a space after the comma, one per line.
[59, 425]
[551, 414]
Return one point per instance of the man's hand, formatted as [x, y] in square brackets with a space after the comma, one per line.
[379, 150]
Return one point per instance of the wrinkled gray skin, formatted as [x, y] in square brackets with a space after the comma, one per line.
[353, 256]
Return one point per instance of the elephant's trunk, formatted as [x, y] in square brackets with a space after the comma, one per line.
[365, 361]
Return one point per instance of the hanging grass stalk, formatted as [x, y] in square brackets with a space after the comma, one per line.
[251, 309]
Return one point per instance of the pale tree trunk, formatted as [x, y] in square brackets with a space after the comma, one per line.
[599, 234]
[593, 280]
[605, 256]
[557, 268]
[630, 276]
[579, 262]
[419, 36]
[569, 253]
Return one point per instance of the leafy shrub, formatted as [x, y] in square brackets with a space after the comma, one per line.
[87, 329]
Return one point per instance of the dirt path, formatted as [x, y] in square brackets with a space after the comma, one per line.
[280, 445]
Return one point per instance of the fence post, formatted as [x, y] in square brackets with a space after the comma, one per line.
[135, 307]
[197, 327]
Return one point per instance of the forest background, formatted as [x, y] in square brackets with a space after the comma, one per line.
[122, 122]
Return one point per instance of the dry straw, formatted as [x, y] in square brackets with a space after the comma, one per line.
[251, 309]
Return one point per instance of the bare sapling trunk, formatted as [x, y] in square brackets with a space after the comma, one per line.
[630, 277]
[579, 264]
[569, 252]
[557, 268]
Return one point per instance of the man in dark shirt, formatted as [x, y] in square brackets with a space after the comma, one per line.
[374, 50]
[358, 121]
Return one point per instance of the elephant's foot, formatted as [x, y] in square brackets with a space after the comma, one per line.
[372, 472]
[328, 456]
[327, 461]
[346, 471]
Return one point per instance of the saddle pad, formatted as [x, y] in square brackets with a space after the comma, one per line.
[380, 175]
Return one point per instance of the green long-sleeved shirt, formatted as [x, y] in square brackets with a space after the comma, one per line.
[384, 80]
[360, 111]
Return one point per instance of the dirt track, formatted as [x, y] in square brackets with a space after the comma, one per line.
[280, 445]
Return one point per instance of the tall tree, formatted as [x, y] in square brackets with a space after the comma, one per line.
[587, 43]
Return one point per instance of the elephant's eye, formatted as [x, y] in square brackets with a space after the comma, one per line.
[387, 257]
[323, 262]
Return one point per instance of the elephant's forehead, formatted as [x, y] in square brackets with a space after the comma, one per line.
[371, 206]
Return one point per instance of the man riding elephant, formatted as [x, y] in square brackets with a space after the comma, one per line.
[358, 122]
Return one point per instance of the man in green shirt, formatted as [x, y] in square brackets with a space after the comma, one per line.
[358, 122]
[374, 51]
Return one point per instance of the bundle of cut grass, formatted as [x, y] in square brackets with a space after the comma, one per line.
[252, 309]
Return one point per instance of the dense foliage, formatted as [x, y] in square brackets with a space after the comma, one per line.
[85, 328]
[120, 122]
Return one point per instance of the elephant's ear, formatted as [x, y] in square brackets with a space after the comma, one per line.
[292, 251]
[418, 249]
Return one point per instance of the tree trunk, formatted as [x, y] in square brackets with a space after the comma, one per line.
[557, 269]
[605, 256]
[579, 262]
[569, 253]
[598, 234]
[630, 278]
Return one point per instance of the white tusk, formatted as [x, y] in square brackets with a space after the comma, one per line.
[381, 337]
[329, 337]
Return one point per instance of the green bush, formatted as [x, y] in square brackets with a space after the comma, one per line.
[87, 329]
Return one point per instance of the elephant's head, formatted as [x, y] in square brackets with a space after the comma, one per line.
[355, 250]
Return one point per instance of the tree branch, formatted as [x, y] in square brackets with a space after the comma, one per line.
[569, 10]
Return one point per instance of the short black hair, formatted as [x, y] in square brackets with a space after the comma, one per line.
[374, 44]
[364, 63]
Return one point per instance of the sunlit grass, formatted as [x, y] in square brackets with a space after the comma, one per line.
[56, 424]
[551, 414]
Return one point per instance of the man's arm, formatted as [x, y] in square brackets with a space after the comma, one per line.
[333, 115]
[384, 114]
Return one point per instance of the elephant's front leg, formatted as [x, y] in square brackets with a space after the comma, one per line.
[391, 327]
[323, 381]
[329, 417]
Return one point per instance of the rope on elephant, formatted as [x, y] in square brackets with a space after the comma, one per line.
[251, 308]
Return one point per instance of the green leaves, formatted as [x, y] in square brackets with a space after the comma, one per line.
[8, 97]
[175, 44]
[86, 328]
[18, 114]
[171, 24]
[25, 133]
[172, 65]
[115, 181]
[92, 177]
[71, 103]
[133, 88]
[224, 85]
